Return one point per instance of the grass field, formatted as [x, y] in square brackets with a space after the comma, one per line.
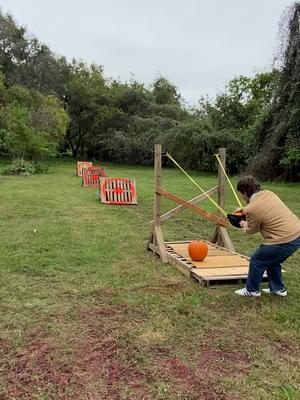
[87, 313]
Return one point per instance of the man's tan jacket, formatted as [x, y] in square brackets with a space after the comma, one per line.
[267, 214]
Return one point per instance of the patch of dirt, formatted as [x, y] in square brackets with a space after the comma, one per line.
[4, 345]
[201, 377]
[191, 382]
[102, 359]
[37, 366]
[105, 354]
[223, 362]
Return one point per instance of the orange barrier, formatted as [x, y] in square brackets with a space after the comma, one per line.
[118, 191]
[91, 176]
[81, 165]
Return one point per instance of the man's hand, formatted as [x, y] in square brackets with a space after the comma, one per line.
[243, 224]
[238, 210]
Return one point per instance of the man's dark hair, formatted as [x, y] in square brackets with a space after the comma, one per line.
[249, 185]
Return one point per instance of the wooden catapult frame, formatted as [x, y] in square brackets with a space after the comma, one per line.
[222, 263]
[220, 236]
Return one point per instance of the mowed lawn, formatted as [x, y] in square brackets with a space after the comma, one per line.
[87, 313]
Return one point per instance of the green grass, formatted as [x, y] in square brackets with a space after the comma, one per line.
[87, 313]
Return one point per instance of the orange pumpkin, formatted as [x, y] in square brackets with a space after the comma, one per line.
[197, 250]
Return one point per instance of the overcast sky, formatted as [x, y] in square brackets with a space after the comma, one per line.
[199, 45]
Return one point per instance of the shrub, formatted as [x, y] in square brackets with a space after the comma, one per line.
[20, 167]
[40, 168]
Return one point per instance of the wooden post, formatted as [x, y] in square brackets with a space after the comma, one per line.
[221, 178]
[156, 238]
[157, 182]
[220, 235]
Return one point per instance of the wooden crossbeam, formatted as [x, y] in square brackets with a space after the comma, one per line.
[169, 214]
[214, 218]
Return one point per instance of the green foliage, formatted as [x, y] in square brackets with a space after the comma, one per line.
[291, 156]
[40, 167]
[27, 62]
[85, 94]
[291, 160]
[243, 100]
[32, 124]
[118, 121]
[12, 44]
[278, 137]
[165, 92]
[20, 167]
[194, 145]
[19, 138]
[2, 88]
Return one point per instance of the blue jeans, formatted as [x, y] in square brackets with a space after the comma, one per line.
[269, 258]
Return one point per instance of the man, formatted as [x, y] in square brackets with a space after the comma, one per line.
[280, 228]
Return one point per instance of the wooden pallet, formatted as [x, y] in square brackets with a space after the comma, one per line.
[91, 176]
[219, 265]
[81, 165]
[118, 191]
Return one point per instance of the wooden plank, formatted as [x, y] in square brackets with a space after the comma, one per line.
[132, 194]
[157, 235]
[210, 272]
[227, 243]
[181, 264]
[221, 262]
[154, 248]
[221, 236]
[213, 249]
[211, 252]
[166, 216]
[160, 243]
[121, 185]
[212, 217]
[113, 186]
[125, 194]
[183, 246]
[206, 281]
[221, 178]
[182, 249]
[157, 174]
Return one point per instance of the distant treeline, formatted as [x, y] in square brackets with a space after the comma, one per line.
[51, 107]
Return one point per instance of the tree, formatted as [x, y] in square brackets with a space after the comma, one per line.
[277, 135]
[12, 44]
[26, 61]
[31, 124]
[86, 92]
[165, 92]
[244, 98]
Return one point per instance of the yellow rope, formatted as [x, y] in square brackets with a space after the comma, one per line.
[234, 192]
[199, 187]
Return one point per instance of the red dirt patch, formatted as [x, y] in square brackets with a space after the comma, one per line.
[201, 377]
[104, 355]
[194, 381]
[222, 362]
[102, 359]
[35, 367]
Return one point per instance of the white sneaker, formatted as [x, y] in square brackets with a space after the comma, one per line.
[245, 292]
[281, 293]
